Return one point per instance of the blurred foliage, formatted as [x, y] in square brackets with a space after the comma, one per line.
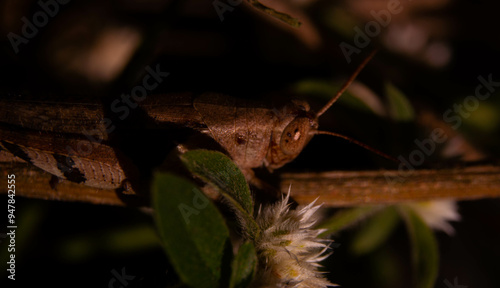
[399, 106]
[345, 218]
[325, 89]
[123, 240]
[375, 231]
[424, 250]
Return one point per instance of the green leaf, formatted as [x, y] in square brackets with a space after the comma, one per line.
[424, 249]
[220, 171]
[347, 217]
[400, 107]
[375, 231]
[244, 266]
[192, 230]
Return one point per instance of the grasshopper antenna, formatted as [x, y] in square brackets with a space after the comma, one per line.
[359, 143]
[346, 84]
[337, 96]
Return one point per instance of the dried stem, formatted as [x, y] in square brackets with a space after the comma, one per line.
[341, 188]
[335, 189]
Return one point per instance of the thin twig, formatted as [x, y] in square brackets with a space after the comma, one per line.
[341, 188]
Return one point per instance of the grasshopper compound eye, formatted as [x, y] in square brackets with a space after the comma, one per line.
[295, 136]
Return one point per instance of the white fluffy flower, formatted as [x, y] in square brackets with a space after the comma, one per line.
[437, 213]
[288, 248]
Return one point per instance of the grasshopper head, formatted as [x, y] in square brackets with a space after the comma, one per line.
[291, 134]
[296, 126]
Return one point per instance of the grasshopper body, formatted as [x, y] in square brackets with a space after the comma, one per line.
[70, 141]
[74, 141]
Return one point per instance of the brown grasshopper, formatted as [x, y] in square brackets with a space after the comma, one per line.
[72, 141]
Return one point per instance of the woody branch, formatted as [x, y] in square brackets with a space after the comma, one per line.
[335, 189]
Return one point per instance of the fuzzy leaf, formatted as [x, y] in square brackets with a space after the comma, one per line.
[192, 230]
[219, 170]
[424, 249]
[375, 231]
[347, 217]
[244, 265]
